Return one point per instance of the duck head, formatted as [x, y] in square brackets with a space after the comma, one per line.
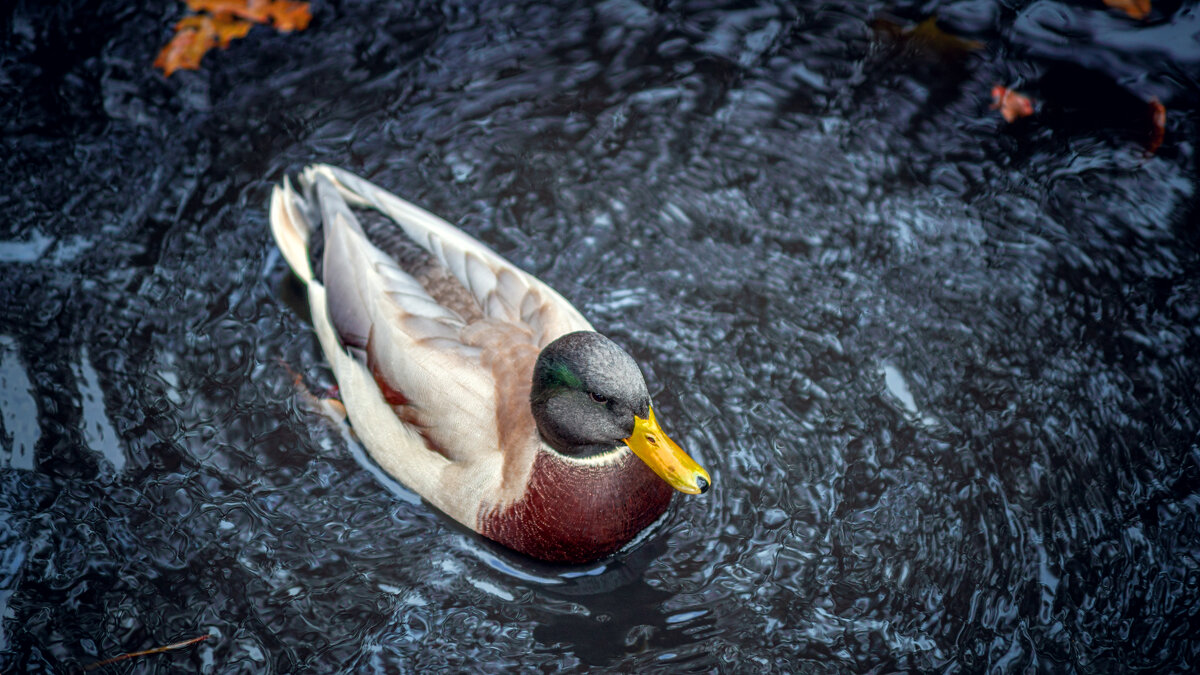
[589, 397]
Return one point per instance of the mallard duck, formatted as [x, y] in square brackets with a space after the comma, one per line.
[472, 382]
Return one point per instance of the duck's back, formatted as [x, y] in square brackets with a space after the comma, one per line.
[432, 337]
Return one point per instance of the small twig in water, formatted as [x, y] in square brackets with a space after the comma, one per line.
[156, 650]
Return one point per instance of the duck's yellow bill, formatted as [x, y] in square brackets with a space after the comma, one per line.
[667, 460]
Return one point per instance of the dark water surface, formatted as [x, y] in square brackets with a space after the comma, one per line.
[943, 369]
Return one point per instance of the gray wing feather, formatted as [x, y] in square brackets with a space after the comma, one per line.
[502, 290]
[356, 274]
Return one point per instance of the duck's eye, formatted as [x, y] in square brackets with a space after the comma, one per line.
[597, 397]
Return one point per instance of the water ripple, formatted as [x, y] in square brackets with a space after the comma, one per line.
[940, 368]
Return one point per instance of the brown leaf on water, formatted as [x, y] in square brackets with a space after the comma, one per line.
[285, 15]
[1158, 117]
[156, 650]
[184, 51]
[1012, 105]
[251, 10]
[928, 32]
[228, 30]
[217, 23]
[194, 36]
[928, 36]
[219, 29]
[289, 16]
[1137, 9]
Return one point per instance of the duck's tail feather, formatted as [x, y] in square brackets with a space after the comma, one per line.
[291, 229]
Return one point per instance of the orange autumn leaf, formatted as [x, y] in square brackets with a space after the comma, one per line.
[224, 22]
[1011, 104]
[286, 15]
[184, 51]
[220, 30]
[289, 16]
[230, 29]
[252, 10]
[1138, 9]
[194, 36]
[1158, 117]
[197, 22]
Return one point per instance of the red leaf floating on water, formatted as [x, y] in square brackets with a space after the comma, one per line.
[224, 22]
[1011, 104]
[1138, 9]
[1158, 116]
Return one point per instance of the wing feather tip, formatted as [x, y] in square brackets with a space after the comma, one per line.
[290, 231]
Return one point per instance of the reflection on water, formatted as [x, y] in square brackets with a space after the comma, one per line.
[941, 368]
[97, 429]
[19, 431]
